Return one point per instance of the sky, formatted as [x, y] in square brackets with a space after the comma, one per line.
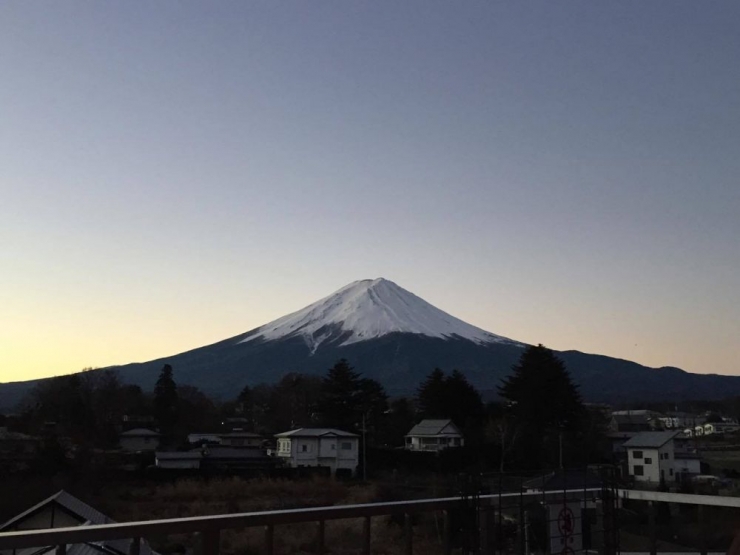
[176, 173]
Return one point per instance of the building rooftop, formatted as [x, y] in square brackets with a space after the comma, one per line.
[316, 432]
[650, 440]
[86, 515]
[434, 427]
[140, 432]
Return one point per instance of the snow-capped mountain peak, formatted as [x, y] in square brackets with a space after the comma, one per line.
[368, 309]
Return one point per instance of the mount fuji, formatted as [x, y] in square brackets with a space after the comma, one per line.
[389, 334]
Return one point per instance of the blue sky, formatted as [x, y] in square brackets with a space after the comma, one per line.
[172, 174]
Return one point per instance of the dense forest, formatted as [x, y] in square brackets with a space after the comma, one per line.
[538, 419]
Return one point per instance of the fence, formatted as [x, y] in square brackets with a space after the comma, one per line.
[531, 520]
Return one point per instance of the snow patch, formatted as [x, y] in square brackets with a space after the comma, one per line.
[368, 309]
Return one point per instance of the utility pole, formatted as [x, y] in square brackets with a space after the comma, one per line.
[364, 449]
[560, 446]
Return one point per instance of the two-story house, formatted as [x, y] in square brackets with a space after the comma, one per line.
[328, 447]
[651, 456]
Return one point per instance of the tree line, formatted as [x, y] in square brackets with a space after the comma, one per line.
[538, 420]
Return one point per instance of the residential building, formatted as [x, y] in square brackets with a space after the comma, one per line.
[63, 510]
[241, 439]
[215, 457]
[328, 447]
[687, 465]
[213, 438]
[178, 460]
[651, 456]
[434, 435]
[139, 439]
[632, 421]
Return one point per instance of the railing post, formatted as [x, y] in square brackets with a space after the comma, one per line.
[653, 532]
[702, 530]
[269, 539]
[447, 537]
[208, 542]
[320, 536]
[408, 531]
[366, 536]
[484, 512]
[135, 547]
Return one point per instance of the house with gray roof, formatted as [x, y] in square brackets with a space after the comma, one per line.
[434, 435]
[328, 447]
[651, 457]
[139, 439]
[63, 510]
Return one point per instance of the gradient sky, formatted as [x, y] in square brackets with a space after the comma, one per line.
[176, 173]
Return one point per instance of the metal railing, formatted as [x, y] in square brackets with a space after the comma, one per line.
[208, 528]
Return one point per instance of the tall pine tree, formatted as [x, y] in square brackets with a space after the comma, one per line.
[431, 397]
[166, 403]
[544, 404]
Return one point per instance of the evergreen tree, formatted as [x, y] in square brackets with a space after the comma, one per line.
[166, 402]
[464, 406]
[431, 396]
[452, 397]
[347, 397]
[543, 403]
[245, 406]
[540, 392]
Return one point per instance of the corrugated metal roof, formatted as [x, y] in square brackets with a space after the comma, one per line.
[649, 440]
[86, 515]
[433, 427]
[217, 452]
[178, 455]
[140, 432]
[316, 432]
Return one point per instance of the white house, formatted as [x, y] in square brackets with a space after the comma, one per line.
[651, 457]
[328, 447]
[63, 510]
[434, 435]
[139, 439]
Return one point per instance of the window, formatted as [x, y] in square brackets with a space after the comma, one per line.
[333, 446]
[346, 445]
[671, 471]
[639, 470]
[648, 460]
[304, 448]
[636, 454]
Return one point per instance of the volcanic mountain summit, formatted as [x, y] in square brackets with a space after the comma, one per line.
[389, 334]
[365, 310]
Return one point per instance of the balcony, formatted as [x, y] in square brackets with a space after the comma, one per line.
[525, 522]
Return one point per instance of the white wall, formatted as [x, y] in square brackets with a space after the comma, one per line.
[333, 452]
[656, 463]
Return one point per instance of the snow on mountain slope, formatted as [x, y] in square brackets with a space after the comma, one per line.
[368, 309]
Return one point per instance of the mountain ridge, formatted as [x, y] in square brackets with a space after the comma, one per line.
[389, 334]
